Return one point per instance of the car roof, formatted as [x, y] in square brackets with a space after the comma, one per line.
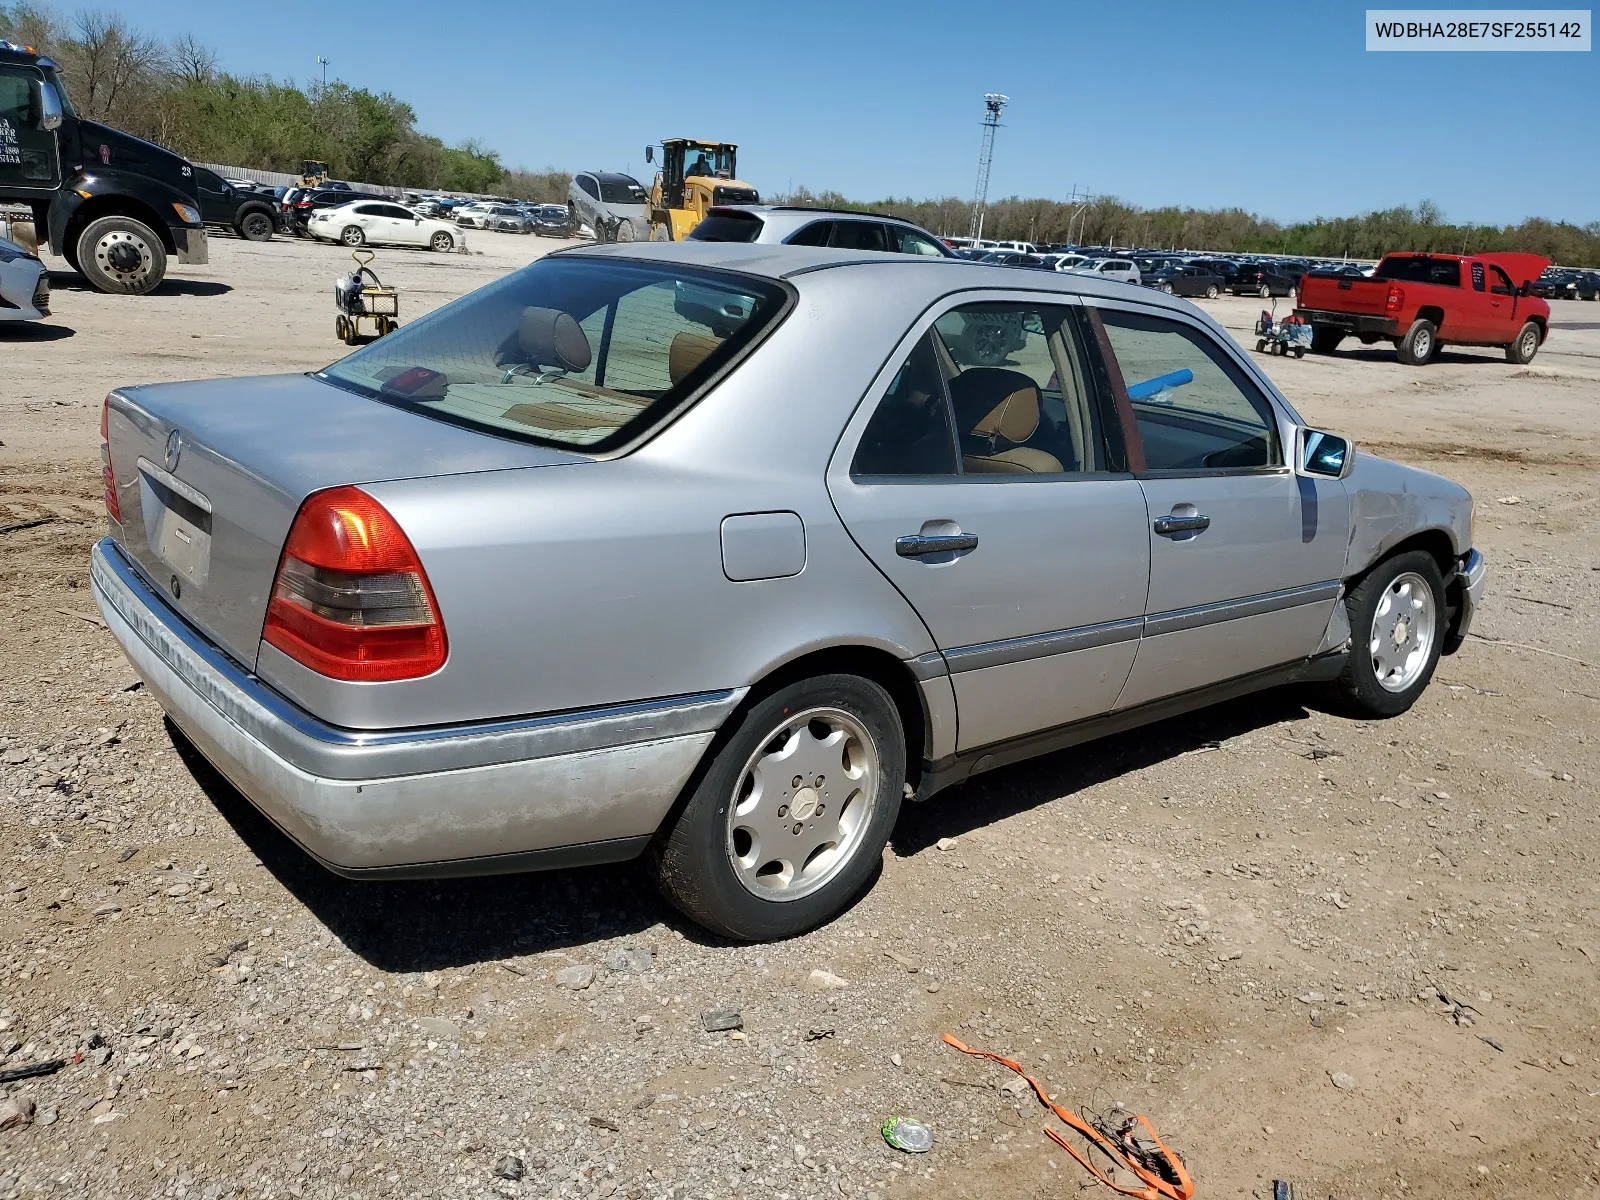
[772, 261]
[613, 177]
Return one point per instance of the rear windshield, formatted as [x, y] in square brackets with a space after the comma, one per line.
[727, 227]
[584, 353]
[1420, 269]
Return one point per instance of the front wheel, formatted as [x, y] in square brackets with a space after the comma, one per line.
[1525, 347]
[1167, 288]
[660, 233]
[789, 820]
[353, 235]
[122, 256]
[1396, 633]
[624, 231]
[1419, 343]
[443, 242]
[600, 234]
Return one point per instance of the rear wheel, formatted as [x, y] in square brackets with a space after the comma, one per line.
[353, 235]
[789, 820]
[1396, 632]
[442, 241]
[342, 329]
[1419, 343]
[121, 256]
[1211, 291]
[1325, 339]
[256, 226]
[1525, 347]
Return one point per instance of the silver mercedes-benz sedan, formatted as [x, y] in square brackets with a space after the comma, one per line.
[717, 553]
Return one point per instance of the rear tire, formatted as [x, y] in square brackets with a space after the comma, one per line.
[1325, 339]
[1419, 344]
[1265, 293]
[256, 226]
[708, 859]
[1522, 350]
[353, 235]
[1397, 627]
[1211, 292]
[121, 256]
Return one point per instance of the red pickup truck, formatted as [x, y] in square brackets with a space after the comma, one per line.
[1422, 301]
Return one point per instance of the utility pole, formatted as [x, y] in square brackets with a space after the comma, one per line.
[993, 105]
[324, 64]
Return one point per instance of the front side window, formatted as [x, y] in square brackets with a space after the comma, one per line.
[1195, 409]
[579, 353]
[910, 241]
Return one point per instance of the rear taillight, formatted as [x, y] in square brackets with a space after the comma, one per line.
[351, 600]
[1397, 298]
[108, 478]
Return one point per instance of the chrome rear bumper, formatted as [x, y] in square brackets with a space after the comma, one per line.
[555, 790]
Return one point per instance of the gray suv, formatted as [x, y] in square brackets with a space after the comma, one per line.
[614, 205]
[841, 229]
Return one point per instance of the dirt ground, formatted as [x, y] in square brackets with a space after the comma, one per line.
[1209, 921]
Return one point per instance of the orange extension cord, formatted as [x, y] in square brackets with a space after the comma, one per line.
[1161, 1170]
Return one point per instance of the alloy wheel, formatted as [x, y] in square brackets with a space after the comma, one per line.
[1401, 638]
[802, 804]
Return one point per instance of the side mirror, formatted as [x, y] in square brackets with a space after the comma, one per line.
[1525, 288]
[1325, 455]
[49, 107]
[649, 154]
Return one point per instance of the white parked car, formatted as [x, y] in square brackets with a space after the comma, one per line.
[383, 223]
[1120, 269]
[24, 284]
[476, 216]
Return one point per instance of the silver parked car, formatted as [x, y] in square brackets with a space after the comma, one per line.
[716, 554]
[842, 229]
[615, 206]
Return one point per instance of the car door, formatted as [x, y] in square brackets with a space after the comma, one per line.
[29, 161]
[978, 477]
[1246, 557]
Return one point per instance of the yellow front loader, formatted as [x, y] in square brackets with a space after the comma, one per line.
[693, 175]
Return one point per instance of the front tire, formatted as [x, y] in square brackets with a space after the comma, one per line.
[660, 233]
[442, 242]
[1522, 350]
[1419, 344]
[624, 231]
[353, 235]
[601, 237]
[788, 822]
[121, 256]
[1397, 627]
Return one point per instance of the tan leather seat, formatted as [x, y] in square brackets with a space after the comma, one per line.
[996, 411]
[688, 351]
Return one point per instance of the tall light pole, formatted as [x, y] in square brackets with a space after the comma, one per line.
[324, 64]
[993, 105]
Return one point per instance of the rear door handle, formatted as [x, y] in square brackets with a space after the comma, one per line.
[919, 544]
[1167, 526]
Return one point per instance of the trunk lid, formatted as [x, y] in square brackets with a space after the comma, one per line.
[211, 473]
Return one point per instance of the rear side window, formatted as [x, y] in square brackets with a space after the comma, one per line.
[815, 234]
[910, 432]
[1420, 269]
[858, 235]
[579, 353]
[727, 227]
[589, 187]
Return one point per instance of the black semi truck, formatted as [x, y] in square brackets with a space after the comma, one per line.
[114, 206]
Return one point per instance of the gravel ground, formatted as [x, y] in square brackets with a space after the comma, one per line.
[1360, 956]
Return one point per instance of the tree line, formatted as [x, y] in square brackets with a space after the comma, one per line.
[1108, 221]
[175, 93]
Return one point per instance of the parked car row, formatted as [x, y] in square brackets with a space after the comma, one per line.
[1568, 283]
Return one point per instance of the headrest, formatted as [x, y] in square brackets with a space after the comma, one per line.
[992, 402]
[551, 338]
[687, 352]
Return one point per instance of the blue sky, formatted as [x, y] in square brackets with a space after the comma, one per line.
[1277, 108]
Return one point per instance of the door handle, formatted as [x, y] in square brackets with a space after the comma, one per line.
[1167, 526]
[919, 544]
